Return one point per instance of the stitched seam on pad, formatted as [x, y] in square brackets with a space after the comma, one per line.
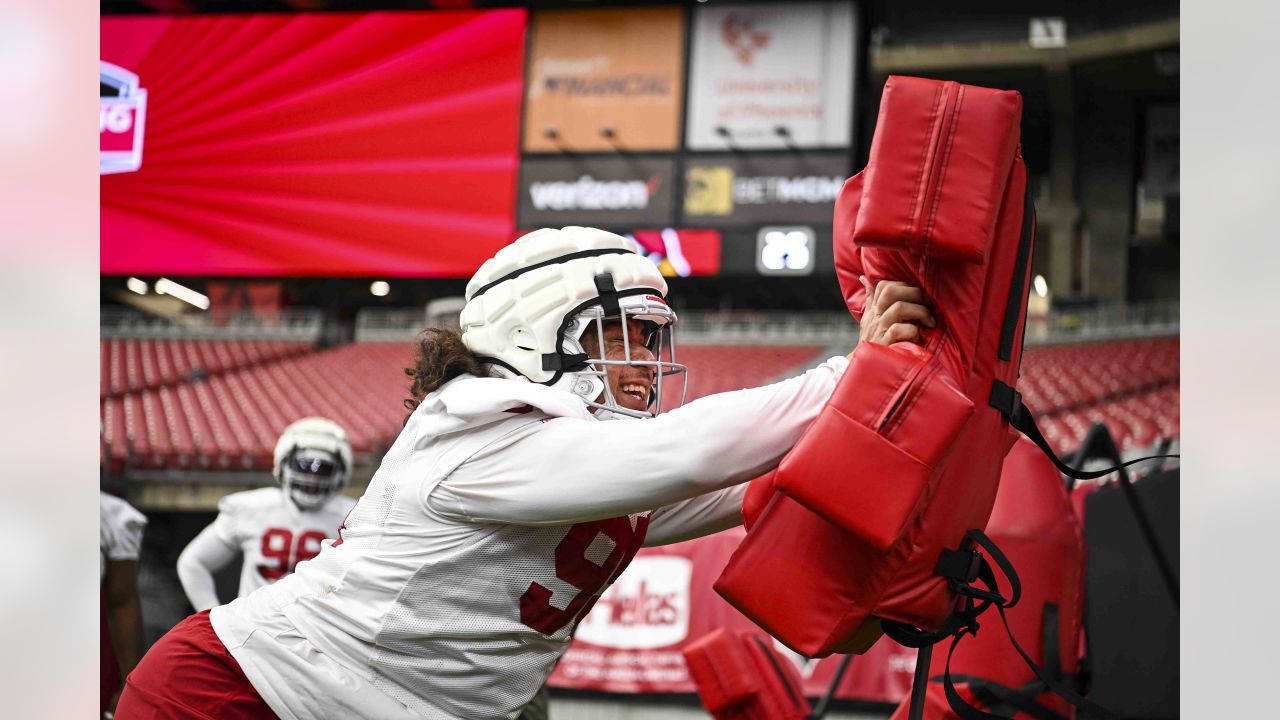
[924, 155]
[884, 404]
[942, 173]
[936, 142]
[930, 372]
[875, 422]
[887, 441]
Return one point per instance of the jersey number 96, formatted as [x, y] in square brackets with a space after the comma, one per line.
[283, 553]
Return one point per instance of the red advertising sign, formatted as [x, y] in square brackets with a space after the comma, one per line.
[631, 641]
[333, 144]
[121, 119]
[116, 126]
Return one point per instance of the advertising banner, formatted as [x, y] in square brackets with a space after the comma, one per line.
[601, 80]
[598, 191]
[771, 75]
[736, 190]
[631, 641]
[122, 113]
[333, 144]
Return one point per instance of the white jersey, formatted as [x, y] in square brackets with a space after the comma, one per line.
[271, 533]
[501, 513]
[120, 528]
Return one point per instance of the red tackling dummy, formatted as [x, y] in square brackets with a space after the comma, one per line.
[1035, 525]
[740, 676]
[906, 456]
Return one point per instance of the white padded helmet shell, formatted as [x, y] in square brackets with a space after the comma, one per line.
[520, 301]
[312, 460]
[312, 433]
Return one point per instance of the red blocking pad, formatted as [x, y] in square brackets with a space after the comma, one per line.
[906, 456]
[740, 676]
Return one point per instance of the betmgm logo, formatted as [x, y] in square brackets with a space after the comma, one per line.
[122, 115]
[718, 189]
[709, 190]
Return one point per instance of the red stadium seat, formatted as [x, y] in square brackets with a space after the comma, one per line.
[231, 419]
[179, 432]
[134, 365]
[254, 388]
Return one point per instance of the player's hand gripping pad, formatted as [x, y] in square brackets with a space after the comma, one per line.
[906, 456]
[739, 676]
[1034, 523]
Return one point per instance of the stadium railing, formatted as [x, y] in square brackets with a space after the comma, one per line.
[766, 327]
[1105, 322]
[289, 324]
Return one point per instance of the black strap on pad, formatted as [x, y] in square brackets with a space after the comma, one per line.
[965, 622]
[1008, 402]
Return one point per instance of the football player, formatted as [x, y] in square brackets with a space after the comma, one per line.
[274, 528]
[505, 507]
[120, 528]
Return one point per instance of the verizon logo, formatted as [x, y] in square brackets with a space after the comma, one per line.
[587, 193]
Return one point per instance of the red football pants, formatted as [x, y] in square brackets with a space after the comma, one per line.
[188, 673]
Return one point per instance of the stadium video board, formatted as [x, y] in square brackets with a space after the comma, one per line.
[771, 76]
[318, 144]
[605, 79]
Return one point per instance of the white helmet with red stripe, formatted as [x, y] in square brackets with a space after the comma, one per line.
[528, 307]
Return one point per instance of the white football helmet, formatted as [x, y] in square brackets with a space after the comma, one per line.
[528, 307]
[312, 459]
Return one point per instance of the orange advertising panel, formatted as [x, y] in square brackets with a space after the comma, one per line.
[602, 80]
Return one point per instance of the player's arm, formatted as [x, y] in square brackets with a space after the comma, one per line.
[124, 612]
[206, 554]
[693, 518]
[567, 471]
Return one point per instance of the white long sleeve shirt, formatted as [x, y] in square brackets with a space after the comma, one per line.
[264, 526]
[496, 519]
[120, 528]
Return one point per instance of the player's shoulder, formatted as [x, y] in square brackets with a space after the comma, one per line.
[120, 528]
[116, 511]
[247, 501]
[335, 509]
[477, 400]
[341, 504]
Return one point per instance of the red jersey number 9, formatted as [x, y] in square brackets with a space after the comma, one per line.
[279, 547]
[584, 573]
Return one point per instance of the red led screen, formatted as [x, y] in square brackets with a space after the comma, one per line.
[329, 144]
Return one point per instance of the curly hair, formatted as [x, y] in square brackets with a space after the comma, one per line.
[440, 356]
